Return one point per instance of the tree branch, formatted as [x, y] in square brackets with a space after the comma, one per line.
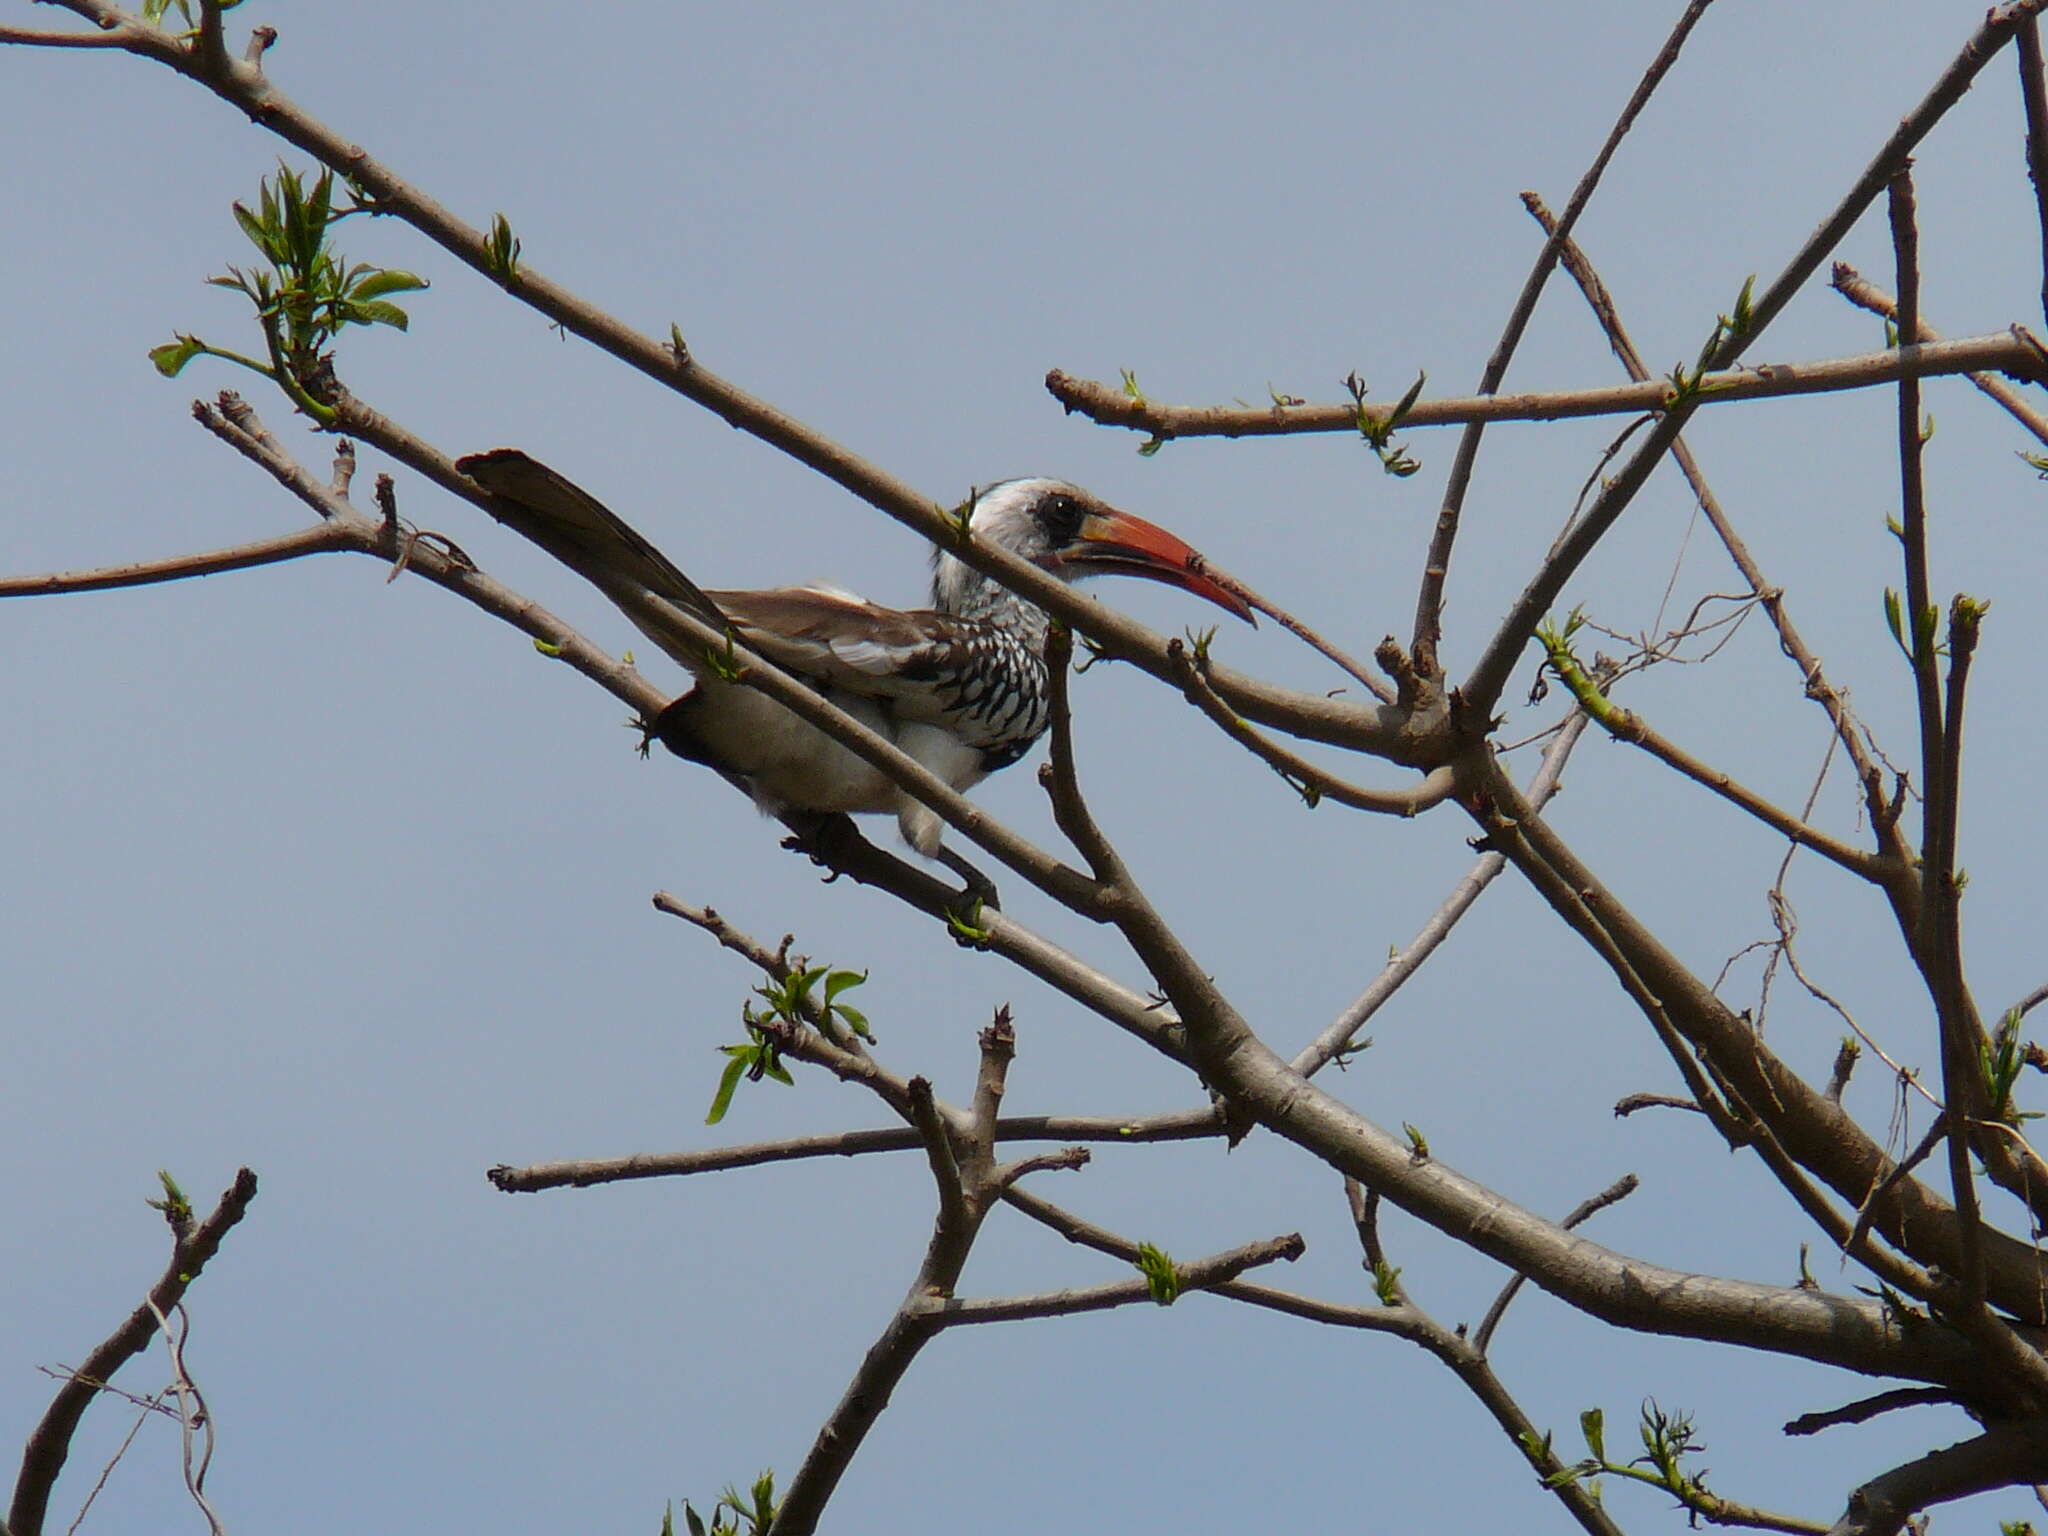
[1864, 294]
[2000, 1457]
[1110, 406]
[49, 1444]
[1342, 1030]
[320, 539]
[1483, 687]
[1772, 598]
[1194, 1275]
[1429, 603]
[1626, 725]
[1584, 1211]
[1312, 783]
[2034, 98]
[244, 87]
[1867, 1408]
[1186, 1125]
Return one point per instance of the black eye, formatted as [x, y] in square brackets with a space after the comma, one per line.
[1062, 515]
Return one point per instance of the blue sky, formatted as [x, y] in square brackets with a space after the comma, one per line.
[340, 880]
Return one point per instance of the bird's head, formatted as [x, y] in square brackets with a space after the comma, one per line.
[1073, 534]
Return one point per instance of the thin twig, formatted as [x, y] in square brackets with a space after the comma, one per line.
[1770, 596]
[320, 539]
[1110, 406]
[1295, 627]
[1436, 567]
[1584, 1211]
[1191, 1275]
[149, 1406]
[1186, 1125]
[1633, 1103]
[1902, 1171]
[1343, 1029]
[115, 36]
[1312, 783]
[1867, 1408]
[1489, 677]
[2034, 98]
[1864, 294]
[1626, 725]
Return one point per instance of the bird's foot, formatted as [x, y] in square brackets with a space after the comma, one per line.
[975, 887]
[822, 838]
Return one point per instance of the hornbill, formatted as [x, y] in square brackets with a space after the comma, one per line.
[960, 686]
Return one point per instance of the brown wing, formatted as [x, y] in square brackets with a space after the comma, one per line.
[854, 645]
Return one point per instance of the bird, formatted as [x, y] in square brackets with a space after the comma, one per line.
[960, 686]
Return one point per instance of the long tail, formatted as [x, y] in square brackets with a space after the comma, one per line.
[581, 531]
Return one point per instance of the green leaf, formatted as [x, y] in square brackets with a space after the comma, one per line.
[383, 280]
[1407, 402]
[377, 312]
[728, 1084]
[1895, 620]
[1592, 1422]
[170, 358]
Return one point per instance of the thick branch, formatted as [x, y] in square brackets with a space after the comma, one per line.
[2001, 1457]
[1814, 1131]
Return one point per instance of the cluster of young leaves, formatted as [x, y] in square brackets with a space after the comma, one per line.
[2001, 1060]
[1162, 1280]
[1386, 1282]
[1378, 431]
[789, 1005]
[304, 294]
[1688, 384]
[1668, 1438]
[731, 1515]
[1925, 623]
[501, 255]
[176, 1207]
